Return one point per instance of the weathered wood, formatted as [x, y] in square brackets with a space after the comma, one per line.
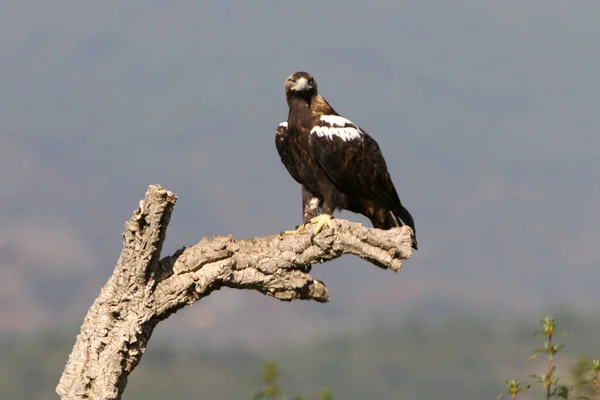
[143, 290]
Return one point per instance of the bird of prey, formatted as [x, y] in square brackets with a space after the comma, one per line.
[337, 163]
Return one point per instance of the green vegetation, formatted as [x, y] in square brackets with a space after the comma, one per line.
[583, 384]
[459, 356]
[271, 390]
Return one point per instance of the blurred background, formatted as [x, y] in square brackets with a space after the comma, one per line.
[486, 112]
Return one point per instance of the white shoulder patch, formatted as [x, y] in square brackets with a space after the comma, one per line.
[281, 125]
[337, 126]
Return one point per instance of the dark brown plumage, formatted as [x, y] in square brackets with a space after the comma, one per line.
[310, 202]
[337, 163]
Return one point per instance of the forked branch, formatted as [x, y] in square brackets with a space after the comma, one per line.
[144, 289]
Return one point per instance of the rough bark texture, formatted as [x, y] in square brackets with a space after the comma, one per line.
[144, 290]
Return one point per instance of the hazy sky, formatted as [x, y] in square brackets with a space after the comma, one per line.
[487, 114]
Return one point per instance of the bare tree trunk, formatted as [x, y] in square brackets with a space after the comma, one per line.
[144, 290]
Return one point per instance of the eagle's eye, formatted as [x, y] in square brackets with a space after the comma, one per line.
[293, 80]
[311, 80]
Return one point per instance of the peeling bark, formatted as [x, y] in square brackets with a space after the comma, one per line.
[144, 289]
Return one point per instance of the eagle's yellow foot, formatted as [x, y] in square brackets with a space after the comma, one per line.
[320, 221]
[298, 231]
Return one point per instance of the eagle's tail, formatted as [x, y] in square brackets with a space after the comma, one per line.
[387, 219]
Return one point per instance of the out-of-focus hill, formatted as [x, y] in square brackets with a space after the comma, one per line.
[486, 113]
[463, 356]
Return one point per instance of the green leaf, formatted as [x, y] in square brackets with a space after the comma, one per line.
[326, 394]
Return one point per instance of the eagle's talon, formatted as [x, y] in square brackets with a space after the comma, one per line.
[306, 268]
[320, 221]
[298, 231]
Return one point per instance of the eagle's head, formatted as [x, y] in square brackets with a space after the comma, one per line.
[300, 83]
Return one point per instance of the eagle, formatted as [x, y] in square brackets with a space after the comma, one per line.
[338, 165]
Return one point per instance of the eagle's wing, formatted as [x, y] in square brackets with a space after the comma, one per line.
[310, 201]
[354, 163]
[282, 142]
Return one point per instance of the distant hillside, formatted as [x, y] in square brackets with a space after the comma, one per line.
[486, 113]
[458, 356]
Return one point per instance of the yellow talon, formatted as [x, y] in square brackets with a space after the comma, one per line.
[320, 221]
[297, 231]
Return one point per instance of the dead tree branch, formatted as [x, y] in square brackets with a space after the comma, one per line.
[144, 290]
